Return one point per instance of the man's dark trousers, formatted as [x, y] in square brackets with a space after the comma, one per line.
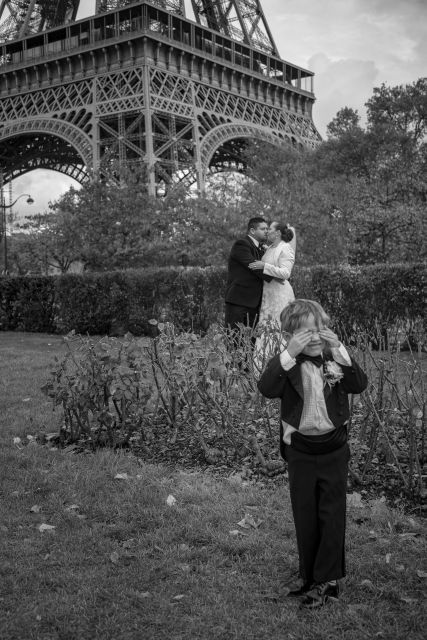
[318, 487]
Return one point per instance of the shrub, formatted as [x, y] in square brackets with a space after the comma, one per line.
[358, 299]
[197, 396]
[27, 304]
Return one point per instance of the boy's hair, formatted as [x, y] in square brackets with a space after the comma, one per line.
[299, 310]
[254, 223]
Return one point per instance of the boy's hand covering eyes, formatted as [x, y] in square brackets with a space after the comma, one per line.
[298, 342]
[330, 337]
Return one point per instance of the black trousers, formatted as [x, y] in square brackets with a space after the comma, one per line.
[318, 487]
[235, 314]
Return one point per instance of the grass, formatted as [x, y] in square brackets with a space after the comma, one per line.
[123, 565]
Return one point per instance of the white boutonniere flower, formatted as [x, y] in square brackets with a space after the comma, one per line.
[332, 372]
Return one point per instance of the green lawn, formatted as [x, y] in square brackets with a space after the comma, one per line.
[123, 564]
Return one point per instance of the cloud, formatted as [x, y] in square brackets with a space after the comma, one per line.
[44, 186]
[338, 84]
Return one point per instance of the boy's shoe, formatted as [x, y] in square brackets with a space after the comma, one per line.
[319, 595]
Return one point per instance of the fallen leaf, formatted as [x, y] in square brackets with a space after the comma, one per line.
[30, 438]
[143, 594]
[179, 597]
[368, 584]
[354, 500]
[121, 476]
[387, 558]
[114, 557]
[236, 532]
[243, 524]
[248, 521]
[26, 399]
[72, 507]
[46, 527]
[17, 440]
[408, 600]
[184, 567]
[128, 544]
[421, 574]
[170, 500]
[35, 508]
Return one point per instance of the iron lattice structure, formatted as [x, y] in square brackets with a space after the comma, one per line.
[140, 84]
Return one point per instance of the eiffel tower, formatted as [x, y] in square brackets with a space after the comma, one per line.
[138, 83]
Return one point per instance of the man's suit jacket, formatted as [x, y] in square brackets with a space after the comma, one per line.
[275, 382]
[244, 285]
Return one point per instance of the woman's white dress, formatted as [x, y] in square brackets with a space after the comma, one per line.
[275, 296]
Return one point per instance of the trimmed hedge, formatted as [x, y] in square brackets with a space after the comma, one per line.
[193, 298]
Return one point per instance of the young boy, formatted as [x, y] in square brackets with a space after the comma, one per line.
[313, 377]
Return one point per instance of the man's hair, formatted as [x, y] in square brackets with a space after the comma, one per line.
[253, 223]
[299, 310]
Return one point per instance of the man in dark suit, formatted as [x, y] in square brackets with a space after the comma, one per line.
[244, 286]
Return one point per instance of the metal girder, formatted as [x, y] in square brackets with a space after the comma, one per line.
[19, 18]
[242, 20]
[174, 6]
[137, 86]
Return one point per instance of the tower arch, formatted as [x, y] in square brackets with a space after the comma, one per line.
[45, 143]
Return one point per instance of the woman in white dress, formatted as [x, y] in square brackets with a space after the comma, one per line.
[278, 262]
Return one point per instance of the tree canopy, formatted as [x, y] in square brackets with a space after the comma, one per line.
[359, 198]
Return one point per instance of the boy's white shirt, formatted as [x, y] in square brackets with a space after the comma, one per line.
[314, 419]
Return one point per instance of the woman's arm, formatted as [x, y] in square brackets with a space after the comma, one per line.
[284, 265]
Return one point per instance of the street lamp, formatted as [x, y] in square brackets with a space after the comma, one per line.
[3, 221]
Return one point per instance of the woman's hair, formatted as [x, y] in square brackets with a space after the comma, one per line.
[299, 310]
[285, 232]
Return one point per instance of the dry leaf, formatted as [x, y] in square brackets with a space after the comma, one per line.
[26, 399]
[248, 521]
[387, 558]
[354, 500]
[368, 584]
[46, 527]
[170, 500]
[179, 597]
[421, 574]
[35, 508]
[408, 600]
[114, 557]
[72, 507]
[244, 524]
[128, 544]
[121, 476]
[17, 440]
[143, 594]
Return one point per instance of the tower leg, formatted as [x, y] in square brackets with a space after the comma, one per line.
[150, 159]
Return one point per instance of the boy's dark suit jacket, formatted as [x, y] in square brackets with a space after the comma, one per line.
[244, 286]
[275, 382]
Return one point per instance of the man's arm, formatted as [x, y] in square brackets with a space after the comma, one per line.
[241, 252]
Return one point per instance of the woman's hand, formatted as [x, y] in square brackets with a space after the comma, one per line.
[258, 264]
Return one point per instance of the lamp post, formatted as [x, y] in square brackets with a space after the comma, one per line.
[3, 223]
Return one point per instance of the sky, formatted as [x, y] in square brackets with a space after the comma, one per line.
[352, 46]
